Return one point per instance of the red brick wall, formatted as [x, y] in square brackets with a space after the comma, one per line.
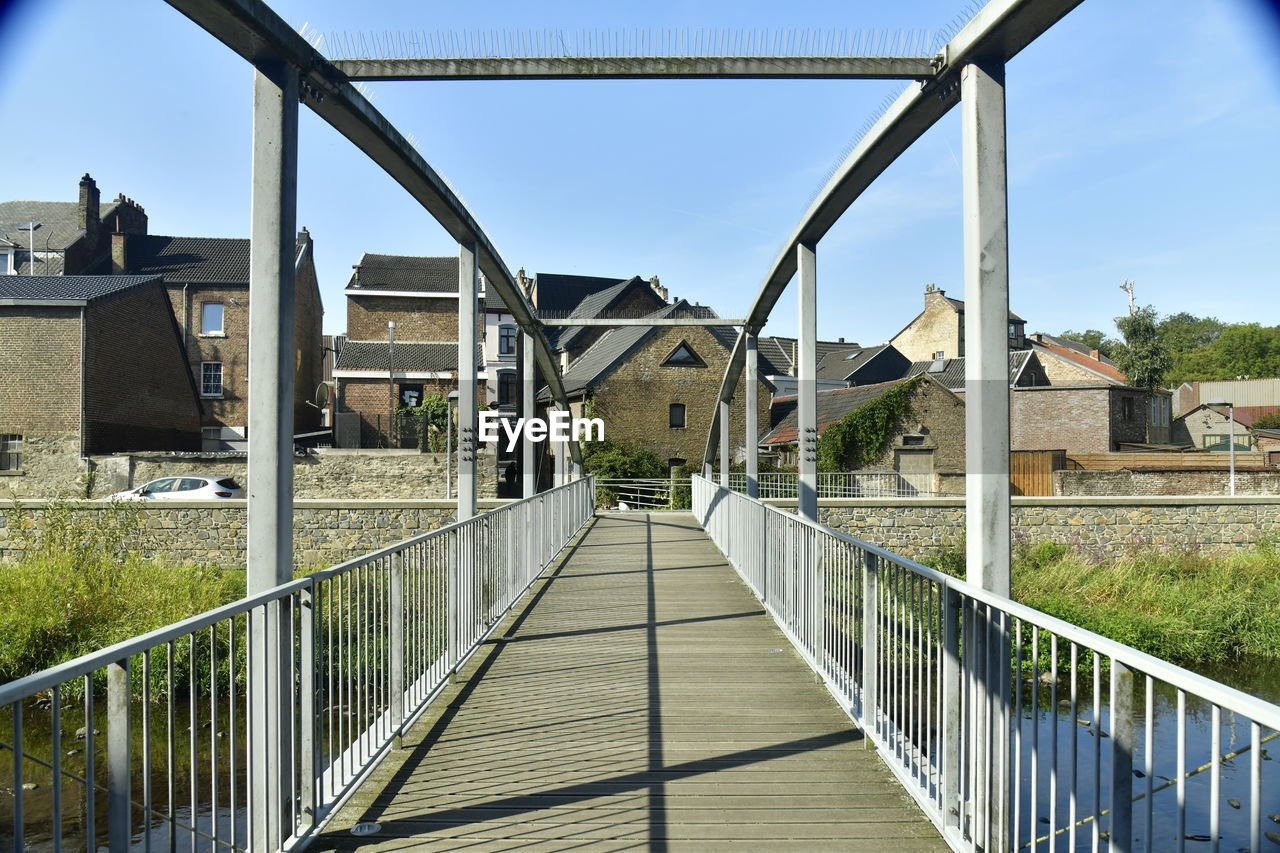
[309, 339]
[1071, 419]
[138, 393]
[369, 398]
[416, 319]
[40, 370]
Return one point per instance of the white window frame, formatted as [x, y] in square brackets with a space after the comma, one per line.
[7, 265]
[210, 395]
[221, 331]
[502, 338]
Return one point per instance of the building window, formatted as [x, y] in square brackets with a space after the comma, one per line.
[507, 385]
[211, 318]
[676, 417]
[10, 452]
[1126, 408]
[411, 394]
[6, 263]
[683, 356]
[210, 379]
[506, 339]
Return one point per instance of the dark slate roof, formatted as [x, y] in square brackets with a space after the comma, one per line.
[424, 357]
[777, 350]
[951, 375]
[832, 406]
[81, 287]
[1083, 349]
[592, 305]
[616, 343]
[59, 222]
[181, 260]
[408, 273]
[559, 294]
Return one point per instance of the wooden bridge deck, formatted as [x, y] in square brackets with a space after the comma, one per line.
[640, 699]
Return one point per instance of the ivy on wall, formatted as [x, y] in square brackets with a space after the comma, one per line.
[862, 436]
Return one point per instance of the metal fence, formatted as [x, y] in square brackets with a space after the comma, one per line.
[363, 648]
[654, 493]
[1012, 729]
[841, 484]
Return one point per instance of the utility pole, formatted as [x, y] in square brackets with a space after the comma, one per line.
[391, 381]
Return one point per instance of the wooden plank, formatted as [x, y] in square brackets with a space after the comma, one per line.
[640, 700]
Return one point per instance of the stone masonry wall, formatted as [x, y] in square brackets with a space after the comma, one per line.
[1181, 481]
[916, 527]
[325, 532]
[332, 474]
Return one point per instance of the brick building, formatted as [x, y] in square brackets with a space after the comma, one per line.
[70, 237]
[1083, 419]
[927, 446]
[1208, 427]
[420, 296]
[89, 365]
[207, 281]
[1069, 362]
[938, 330]
[656, 386]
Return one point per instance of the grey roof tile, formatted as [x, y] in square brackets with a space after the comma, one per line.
[832, 406]
[59, 228]
[951, 374]
[559, 294]
[408, 273]
[182, 260]
[422, 357]
[85, 287]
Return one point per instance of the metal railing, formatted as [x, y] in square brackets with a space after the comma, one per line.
[841, 484]
[648, 494]
[363, 648]
[1012, 729]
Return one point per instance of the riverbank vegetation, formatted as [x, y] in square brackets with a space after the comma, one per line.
[1186, 606]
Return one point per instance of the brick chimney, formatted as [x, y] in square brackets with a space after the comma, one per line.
[1095, 355]
[119, 254]
[89, 198]
[934, 295]
[658, 288]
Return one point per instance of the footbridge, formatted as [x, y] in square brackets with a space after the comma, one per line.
[546, 677]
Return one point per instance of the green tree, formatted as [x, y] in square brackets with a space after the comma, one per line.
[1183, 332]
[1093, 339]
[1270, 421]
[1143, 358]
[1241, 349]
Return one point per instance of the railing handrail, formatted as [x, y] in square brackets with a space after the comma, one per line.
[1252, 707]
[30, 685]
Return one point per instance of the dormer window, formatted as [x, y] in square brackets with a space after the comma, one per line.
[7, 266]
[683, 356]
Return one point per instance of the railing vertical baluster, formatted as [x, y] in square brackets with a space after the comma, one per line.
[19, 748]
[870, 641]
[952, 723]
[397, 650]
[308, 737]
[1122, 758]
[118, 779]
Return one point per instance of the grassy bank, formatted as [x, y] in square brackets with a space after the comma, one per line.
[58, 606]
[1184, 606]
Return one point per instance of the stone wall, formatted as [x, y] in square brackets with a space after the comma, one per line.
[1167, 481]
[325, 473]
[1106, 526]
[325, 532]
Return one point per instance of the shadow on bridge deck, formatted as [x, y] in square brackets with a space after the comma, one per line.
[640, 700]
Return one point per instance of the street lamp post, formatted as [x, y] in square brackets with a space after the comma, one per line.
[30, 228]
[391, 381]
[1231, 438]
[448, 453]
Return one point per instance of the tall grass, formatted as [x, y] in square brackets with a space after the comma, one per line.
[79, 588]
[1185, 606]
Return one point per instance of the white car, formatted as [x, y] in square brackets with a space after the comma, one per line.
[187, 488]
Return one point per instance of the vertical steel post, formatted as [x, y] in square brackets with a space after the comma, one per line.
[870, 642]
[468, 288]
[308, 742]
[726, 451]
[118, 803]
[270, 504]
[952, 714]
[986, 291]
[528, 410]
[1122, 758]
[806, 383]
[750, 429]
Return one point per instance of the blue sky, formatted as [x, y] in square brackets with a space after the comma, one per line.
[1142, 140]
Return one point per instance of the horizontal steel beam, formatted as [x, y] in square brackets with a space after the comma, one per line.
[645, 321]
[643, 67]
[999, 30]
[255, 32]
